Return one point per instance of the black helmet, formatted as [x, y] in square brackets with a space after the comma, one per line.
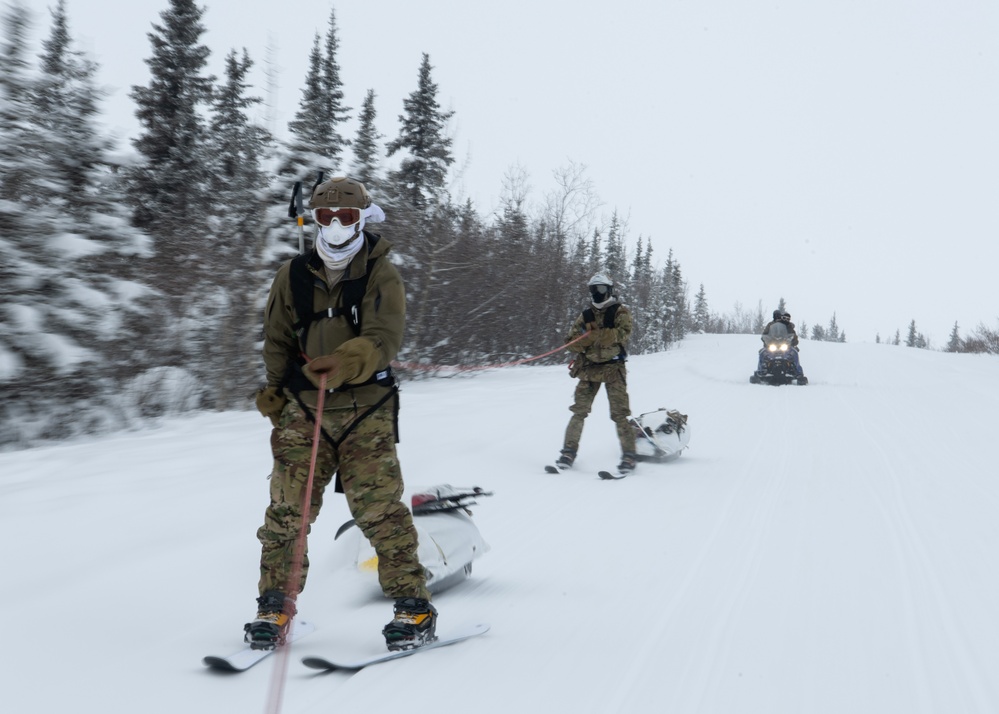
[786, 316]
[778, 314]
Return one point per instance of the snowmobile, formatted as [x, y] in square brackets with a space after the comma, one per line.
[661, 435]
[778, 363]
[449, 539]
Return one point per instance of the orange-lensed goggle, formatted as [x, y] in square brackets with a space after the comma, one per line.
[343, 216]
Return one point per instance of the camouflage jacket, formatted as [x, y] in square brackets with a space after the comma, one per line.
[383, 318]
[601, 362]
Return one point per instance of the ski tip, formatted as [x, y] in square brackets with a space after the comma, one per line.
[549, 469]
[608, 476]
[219, 664]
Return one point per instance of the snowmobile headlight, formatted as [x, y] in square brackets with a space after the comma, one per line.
[783, 348]
[772, 348]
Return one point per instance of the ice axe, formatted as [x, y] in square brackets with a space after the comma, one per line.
[296, 209]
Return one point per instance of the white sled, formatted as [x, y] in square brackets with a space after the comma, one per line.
[449, 539]
[660, 436]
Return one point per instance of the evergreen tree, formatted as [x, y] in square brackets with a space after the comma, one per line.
[22, 149]
[832, 334]
[702, 316]
[334, 112]
[316, 141]
[595, 253]
[913, 336]
[305, 155]
[365, 167]
[614, 254]
[954, 344]
[70, 308]
[225, 317]
[422, 174]
[760, 321]
[170, 190]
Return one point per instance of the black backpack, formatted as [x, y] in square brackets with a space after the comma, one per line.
[609, 316]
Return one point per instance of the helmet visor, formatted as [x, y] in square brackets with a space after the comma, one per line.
[343, 216]
[599, 293]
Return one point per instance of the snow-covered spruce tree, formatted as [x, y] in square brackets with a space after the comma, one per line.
[954, 344]
[701, 315]
[422, 174]
[226, 317]
[67, 245]
[314, 147]
[615, 256]
[833, 334]
[171, 190]
[25, 226]
[316, 142]
[366, 166]
[420, 220]
[646, 327]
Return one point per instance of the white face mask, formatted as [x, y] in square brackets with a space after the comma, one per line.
[337, 244]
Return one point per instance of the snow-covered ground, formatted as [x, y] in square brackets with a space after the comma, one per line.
[829, 548]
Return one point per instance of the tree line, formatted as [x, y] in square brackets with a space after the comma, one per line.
[134, 288]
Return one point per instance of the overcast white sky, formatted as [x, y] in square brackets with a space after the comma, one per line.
[842, 154]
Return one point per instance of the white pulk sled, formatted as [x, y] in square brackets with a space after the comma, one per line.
[660, 436]
[449, 539]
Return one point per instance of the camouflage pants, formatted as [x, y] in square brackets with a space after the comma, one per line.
[620, 410]
[372, 482]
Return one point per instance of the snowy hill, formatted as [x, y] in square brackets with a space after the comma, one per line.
[829, 548]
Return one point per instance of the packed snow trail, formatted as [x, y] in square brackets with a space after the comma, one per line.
[825, 548]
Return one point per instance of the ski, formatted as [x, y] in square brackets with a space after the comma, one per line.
[245, 657]
[608, 476]
[550, 469]
[463, 633]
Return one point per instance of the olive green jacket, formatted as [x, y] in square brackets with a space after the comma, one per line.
[383, 319]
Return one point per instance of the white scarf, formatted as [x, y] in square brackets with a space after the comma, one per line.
[337, 245]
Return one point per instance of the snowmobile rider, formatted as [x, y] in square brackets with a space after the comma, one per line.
[782, 318]
[339, 311]
[600, 359]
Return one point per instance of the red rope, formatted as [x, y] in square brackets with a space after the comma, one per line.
[416, 366]
[279, 674]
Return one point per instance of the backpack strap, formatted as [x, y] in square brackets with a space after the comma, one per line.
[609, 316]
[303, 283]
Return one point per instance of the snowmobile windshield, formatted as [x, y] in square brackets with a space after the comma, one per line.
[778, 330]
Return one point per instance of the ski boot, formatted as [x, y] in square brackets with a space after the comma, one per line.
[627, 464]
[414, 624]
[268, 630]
[565, 459]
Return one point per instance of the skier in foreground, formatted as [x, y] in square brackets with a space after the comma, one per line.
[600, 358]
[308, 317]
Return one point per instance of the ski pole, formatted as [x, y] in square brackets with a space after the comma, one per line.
[296, 211]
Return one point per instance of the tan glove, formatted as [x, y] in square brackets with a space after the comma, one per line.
[354, 360]
[606, 336]
[270, 403]
[588, 339]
